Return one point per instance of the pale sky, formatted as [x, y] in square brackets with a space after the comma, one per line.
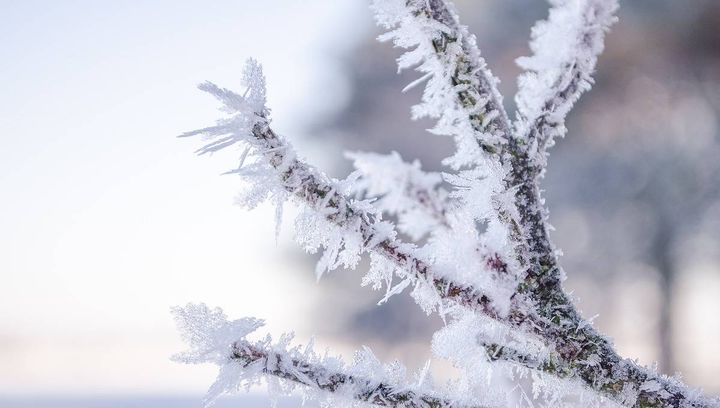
[106, 219]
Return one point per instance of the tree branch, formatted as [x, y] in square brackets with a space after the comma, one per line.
[566, 47]
[287, 367]
[316, 191]
[212, 338]
[550, 364]
[462, 94]
[460, 87]
[592, 357]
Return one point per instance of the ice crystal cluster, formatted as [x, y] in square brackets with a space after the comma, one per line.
[470, 244]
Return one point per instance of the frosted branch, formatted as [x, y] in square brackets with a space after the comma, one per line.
[579, 27]
[461, 91]
[565, 51]
[355, 227]
[506, 272]
[565, 48]
[550, 364]
[243, 363]
[282, 174]
[341, 384]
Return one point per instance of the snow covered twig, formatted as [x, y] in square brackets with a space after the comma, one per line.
[402, 189]
[566, 47]
[358, 224]
[214, 339]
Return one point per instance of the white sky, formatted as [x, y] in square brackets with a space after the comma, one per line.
[106, 219]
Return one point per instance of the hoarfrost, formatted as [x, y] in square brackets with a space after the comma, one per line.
[243, 363]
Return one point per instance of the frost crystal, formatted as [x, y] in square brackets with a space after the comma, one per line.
[209, 333]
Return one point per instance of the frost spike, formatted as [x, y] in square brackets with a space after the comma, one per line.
[356, 387]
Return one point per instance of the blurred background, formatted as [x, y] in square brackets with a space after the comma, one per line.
[107, 220]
